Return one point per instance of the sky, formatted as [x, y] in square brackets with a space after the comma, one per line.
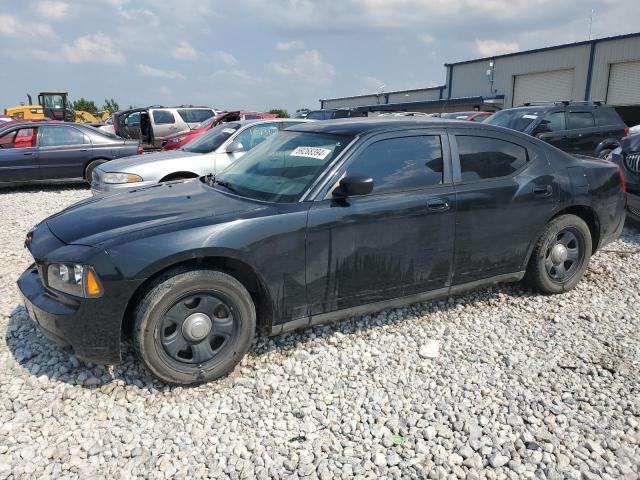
[263, 54]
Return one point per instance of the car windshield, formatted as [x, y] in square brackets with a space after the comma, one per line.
[206, 123]
[282, 167]
[517, 119]
[212, 139]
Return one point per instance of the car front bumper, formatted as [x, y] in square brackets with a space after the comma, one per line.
[91, 327]
[103, 189]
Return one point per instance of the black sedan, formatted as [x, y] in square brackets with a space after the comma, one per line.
[627, 156]
[322, 221]
[42, 151]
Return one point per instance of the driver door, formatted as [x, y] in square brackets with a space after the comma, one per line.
[396, 241]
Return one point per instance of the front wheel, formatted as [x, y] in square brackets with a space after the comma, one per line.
[194, 326]
[561, 255]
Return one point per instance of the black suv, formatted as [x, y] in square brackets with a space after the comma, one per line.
[330, 114]
[586, 128]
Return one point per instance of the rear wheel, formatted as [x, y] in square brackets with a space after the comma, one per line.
[88, 172]
[194, 326]
[561, 255]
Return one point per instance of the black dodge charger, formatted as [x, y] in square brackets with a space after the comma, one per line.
[322, 221]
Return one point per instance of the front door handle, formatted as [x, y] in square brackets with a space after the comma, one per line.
[438, 205]
[543, 191]
[27, 154]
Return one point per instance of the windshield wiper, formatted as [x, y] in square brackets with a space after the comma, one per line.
[226, 185]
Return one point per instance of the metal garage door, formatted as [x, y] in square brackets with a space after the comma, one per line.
[543, 86]
[624, 83]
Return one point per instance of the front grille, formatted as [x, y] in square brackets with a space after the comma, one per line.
[632, 161]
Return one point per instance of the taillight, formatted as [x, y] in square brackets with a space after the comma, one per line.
[623, 183]
[140, 150]
[627, 130]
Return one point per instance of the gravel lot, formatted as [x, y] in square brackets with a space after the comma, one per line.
[523, 386]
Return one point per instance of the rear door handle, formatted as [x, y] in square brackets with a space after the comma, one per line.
[543, 191]
[438, 205]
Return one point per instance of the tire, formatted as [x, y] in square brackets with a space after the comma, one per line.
[544, 272]
[161, 334]
[88, 172]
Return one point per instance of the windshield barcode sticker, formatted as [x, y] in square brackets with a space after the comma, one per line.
[311, 152]
[228, 130]
[533, 117]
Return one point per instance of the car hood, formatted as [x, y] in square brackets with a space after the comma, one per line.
[121, 164]
[161, 206]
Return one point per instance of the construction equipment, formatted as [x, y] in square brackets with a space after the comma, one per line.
[56, 106]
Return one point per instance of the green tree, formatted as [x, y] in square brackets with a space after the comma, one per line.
[110, 105]
[86, 105]
[280, 112]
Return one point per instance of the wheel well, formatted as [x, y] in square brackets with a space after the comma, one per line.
[100, 159]
[178, 176]
[236, 268]
[590, 217]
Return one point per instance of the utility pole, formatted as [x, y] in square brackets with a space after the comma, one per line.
[591, 22]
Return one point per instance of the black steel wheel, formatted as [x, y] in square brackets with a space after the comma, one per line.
[564, 256]
[560, 256]
[194, 326]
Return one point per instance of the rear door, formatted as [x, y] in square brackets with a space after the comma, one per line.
[505, 195]
[19, 155]
[63, 151]
[583, 135]
[163, 123]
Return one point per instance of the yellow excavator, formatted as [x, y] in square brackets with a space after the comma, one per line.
[56, 106]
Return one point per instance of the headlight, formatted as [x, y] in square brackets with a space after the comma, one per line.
[74, 279]
[114, 177]
[177, 139]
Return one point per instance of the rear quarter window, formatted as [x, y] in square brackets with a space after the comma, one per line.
[607, 116]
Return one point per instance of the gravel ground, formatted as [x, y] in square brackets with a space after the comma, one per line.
[500, 383]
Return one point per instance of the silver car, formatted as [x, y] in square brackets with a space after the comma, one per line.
[210, 153]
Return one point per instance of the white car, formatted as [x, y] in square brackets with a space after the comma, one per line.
[209, 153]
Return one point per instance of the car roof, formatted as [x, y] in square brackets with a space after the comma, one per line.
[361, 125]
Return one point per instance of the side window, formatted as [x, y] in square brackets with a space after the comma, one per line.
[60, 136]
[255, 135]
[403, 163]
[22, 138]
[607, 116]
[342, 114]
[484, 157]
[555, 121]
[163, 117]
[133, 120]
[580, 120]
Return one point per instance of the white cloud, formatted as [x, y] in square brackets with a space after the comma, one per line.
[372, 85]
[184, 51]
[164, 90]
[95, 48]
[12, 26]
[148, 71]
[489, 48]
[292, 45]
[234, 74]
[308, 67]
[426, 38]
[51, 9]
[226, 58]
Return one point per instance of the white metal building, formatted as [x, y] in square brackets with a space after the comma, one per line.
[606, 69]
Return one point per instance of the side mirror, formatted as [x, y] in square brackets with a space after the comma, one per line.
[540, 129]
[355, 185]
[235, 147]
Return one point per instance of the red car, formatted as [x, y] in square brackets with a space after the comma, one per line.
[472, 116]
[180, 139]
